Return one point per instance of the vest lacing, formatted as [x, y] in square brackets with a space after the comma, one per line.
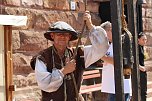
[66, 77]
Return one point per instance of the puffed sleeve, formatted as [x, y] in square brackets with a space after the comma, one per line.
[99, 47]
[47, 81]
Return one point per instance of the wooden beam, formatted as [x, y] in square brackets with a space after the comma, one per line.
[8, 61]
[131, 5]
[117, 48]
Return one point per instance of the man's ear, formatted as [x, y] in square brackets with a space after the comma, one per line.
[52, 35]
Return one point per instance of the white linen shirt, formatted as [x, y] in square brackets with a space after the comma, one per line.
[50, 82]
[108, 79]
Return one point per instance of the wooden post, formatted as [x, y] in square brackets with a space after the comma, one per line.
[8, 61]
[117, 46]
[132, 16]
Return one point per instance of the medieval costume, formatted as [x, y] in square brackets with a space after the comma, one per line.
[54, 84]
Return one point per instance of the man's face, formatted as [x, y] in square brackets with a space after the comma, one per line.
[60, 39]
[142, 40]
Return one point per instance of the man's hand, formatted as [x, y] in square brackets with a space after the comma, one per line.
[87, 19]
[69, 67]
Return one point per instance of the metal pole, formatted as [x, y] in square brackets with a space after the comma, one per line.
[131, 6]
[117, 48]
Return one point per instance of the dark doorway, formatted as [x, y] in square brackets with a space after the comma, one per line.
[105, 12]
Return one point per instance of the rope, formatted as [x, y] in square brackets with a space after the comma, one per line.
[124, 23]
[128, 39]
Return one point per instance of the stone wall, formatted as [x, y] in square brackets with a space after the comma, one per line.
[147, 25]
[28, 40]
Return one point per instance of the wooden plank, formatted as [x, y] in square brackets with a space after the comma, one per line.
[117, 47]
[90, 72]
[91, 88]
[91, 76]
[133, 28]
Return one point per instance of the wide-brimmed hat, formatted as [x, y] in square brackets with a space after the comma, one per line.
[61, 27]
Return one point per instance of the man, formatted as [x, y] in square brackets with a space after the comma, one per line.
[57, 70]
[108, 81]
